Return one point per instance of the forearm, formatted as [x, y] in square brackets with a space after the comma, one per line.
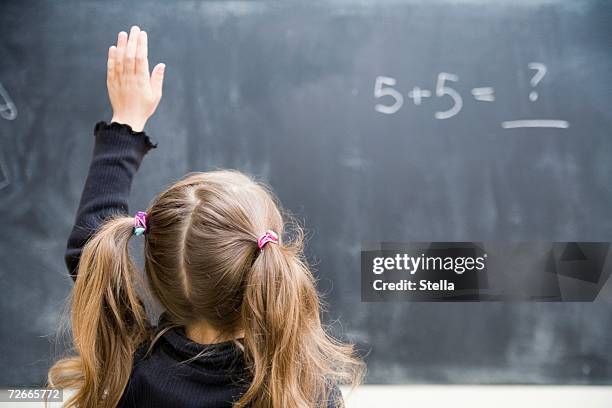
[117, 155]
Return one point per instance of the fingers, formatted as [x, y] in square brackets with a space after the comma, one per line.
[119, 53]
[142, 61]
[130, 50]
[157, 79]
[110, 64]
[130, 57]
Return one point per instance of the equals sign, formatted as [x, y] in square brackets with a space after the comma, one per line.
[485, 94]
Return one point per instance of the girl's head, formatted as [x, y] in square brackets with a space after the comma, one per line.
[203, 264]
[201, 248]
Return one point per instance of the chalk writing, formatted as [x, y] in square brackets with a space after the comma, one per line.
[485, 94]
[391, 99]
[537, 77]
[8, 110]
[380, 91]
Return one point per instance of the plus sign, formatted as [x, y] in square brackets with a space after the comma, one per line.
[417, 94]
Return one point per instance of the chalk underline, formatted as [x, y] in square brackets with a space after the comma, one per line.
[535, 123]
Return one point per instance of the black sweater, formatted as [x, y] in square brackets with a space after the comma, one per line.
[160, 378]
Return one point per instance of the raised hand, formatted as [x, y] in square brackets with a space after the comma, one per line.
[134, 93]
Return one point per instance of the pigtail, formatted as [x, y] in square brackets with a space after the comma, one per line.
[108, 320]
[293, 362]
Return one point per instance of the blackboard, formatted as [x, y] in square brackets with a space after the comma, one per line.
[306, 95]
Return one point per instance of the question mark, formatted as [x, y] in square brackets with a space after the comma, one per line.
[541, 68]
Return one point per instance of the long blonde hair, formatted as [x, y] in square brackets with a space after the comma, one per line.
[203, 263]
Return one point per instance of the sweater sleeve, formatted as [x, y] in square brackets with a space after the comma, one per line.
[118, 152]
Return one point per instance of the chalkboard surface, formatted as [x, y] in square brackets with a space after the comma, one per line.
[373, 121]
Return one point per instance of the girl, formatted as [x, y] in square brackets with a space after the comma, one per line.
[241, 325]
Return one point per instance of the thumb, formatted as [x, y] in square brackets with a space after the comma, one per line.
[157, 79]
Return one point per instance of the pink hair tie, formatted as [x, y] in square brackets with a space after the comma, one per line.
[140, 223]
[269, 236]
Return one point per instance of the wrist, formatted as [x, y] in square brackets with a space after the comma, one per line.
[137, 124]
